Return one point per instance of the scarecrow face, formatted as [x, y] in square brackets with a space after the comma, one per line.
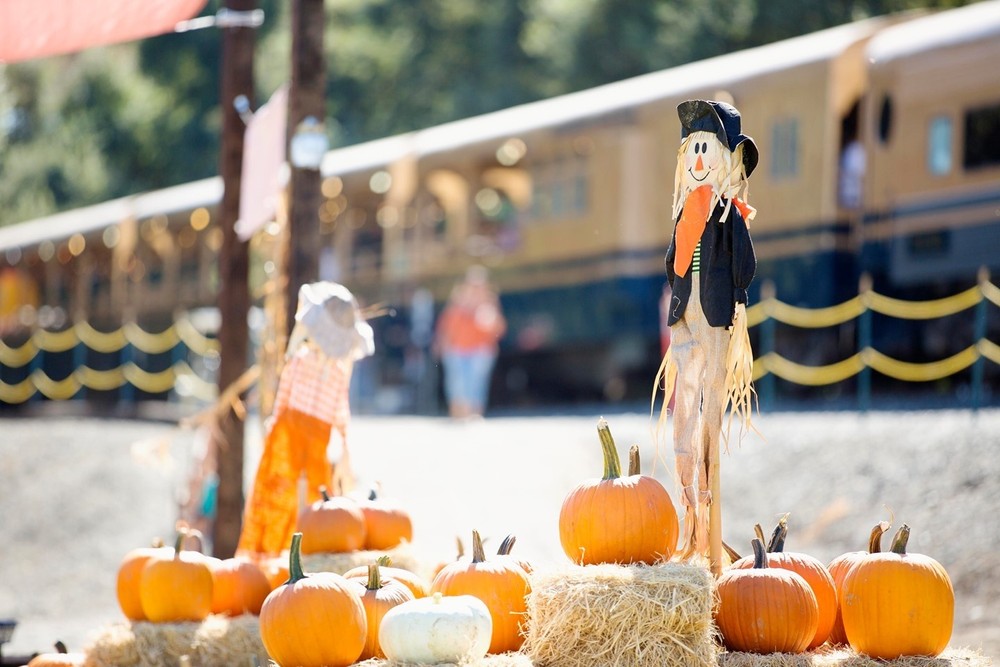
[703, 160]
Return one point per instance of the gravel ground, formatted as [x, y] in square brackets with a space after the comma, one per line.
[77, 493]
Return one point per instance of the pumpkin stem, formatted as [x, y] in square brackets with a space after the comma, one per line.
[875, 539]
[385, 560]
[61, 647]
[374, 576]
[182, 535]
[759, 554]
[372, 495]
[295, 572]
[612, 464]
[759, 532]
[478, 554]
[633, 461]
[777, 543]
[460, 546]
[900, 540]
[506, 545]
[323, 492]
[731, 552]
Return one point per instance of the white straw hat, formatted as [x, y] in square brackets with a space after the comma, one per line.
[333, 321]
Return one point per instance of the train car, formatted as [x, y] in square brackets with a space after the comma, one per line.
[567, 202]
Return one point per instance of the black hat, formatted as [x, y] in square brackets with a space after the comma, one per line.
[722, 120]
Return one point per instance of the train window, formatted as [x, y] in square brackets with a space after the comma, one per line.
[982, 137]
[885, 120]
[939, 145]
[785, 148]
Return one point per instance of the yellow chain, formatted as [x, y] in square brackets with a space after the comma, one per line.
[814, 317]
[923, 310]
[17, 393]
[151, 343]
[812, 376]
[98, 341]
[196, 341]
[55, 341]
[16, 357]
[912, 372]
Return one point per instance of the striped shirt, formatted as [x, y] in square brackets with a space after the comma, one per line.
[696, 258]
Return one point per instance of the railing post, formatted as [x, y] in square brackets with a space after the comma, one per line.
[979, 333]
[79, 361]
[767, 334]
[127, 391]
[864, 343]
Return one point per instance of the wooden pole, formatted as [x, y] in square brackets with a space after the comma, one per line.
[306, 98]
[715, 511]
[234, 291]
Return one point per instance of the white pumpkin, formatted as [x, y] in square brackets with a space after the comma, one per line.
[437, 629]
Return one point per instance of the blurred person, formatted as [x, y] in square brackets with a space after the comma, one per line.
[467, 340]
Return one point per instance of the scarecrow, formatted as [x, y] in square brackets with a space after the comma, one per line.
[710, 263]
[311, 411]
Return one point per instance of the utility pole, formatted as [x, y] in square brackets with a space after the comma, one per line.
[306, 98]
[234, 291]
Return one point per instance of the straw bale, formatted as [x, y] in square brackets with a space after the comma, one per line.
[826, 656]
[626, 616]
[501, 660]
[217, 641]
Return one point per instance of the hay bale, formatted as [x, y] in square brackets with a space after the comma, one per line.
[218, 641]
[502, 660]
[404, 556]
[627, 616]
[826, 656]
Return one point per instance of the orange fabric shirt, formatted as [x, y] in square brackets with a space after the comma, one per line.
[462, 330]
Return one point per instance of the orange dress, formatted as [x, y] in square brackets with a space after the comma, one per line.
[311, 403]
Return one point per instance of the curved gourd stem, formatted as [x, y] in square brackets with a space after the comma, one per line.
[875, 539]
[385, 560]
[323, 492]
[634, 467]
[900, 540]
[612, 464]
[777, 543]
[295, 572]
[759, 532]
[374, 576]
[478, 554]
[506, 545]
[759, 555]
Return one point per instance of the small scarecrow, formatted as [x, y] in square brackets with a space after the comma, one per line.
[310, 407]
[710, 263]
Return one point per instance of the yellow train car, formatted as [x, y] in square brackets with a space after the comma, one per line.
[879, 147]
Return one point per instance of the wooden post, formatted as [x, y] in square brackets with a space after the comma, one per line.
[234, 291]
[715, 511]
[306, 98]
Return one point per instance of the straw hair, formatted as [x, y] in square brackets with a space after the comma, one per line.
[626, 616]
[740, 394]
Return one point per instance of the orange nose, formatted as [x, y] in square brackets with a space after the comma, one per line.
[698, 166]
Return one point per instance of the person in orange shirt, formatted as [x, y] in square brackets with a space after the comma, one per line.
[467, 340]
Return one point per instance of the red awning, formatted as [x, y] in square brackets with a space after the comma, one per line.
[40, 28]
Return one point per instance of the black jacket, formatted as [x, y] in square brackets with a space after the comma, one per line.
[728, 264]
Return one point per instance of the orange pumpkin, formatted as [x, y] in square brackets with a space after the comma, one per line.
[419, 586]
[841, 565]
[500, 583]
[239, 586]
[331, 525]
[178, 587]
[129, 574]
[314, 620]
[378, 597]
[617, 519]
[387, 525]
[809, 568]
[765, 609]
[898, 604]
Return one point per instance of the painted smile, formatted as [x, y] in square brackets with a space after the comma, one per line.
[696, 178]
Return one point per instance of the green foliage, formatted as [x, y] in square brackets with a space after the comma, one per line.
[76, 130]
